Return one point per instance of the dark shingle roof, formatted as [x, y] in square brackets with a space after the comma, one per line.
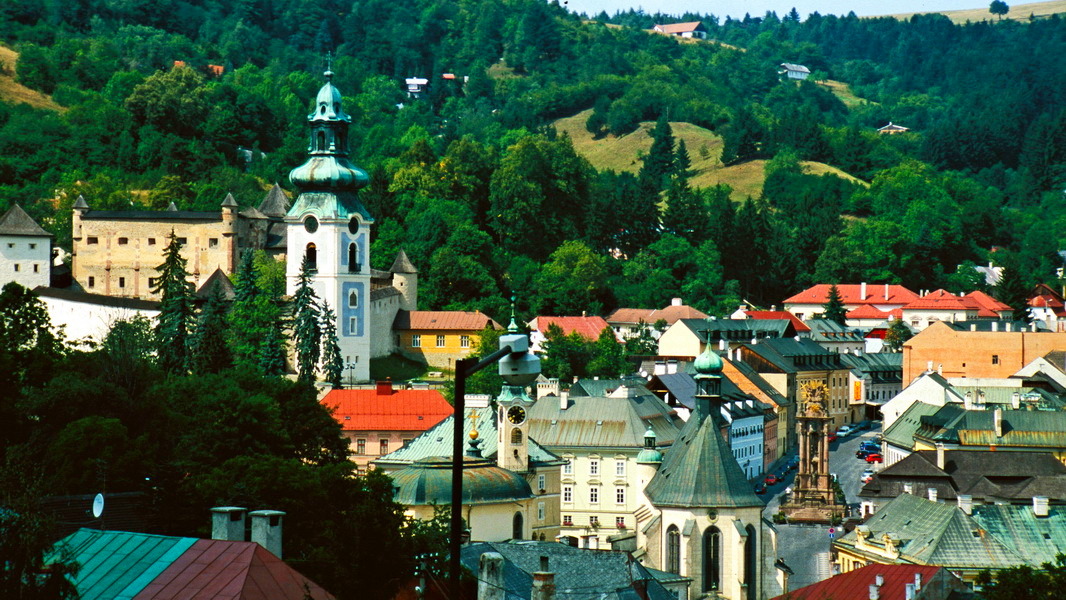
[276, 203]
[402, 264]
[700, 471]
[154, 215]
[580, 574]
[16, 222]
[216, 278]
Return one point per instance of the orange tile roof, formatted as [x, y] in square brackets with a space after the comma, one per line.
[987, 304]
[587, 327]
[451, 320]
[867, 311]
[940, 300]
[850, 293]
[671, 314]
[400, 410]
[798, 325]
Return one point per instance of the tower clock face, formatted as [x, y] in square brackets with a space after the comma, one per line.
[516, 415]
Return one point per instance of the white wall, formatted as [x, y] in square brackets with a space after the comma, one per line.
[83, 321]
[32, 257]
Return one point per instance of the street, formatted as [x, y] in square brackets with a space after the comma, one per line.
[805, 548]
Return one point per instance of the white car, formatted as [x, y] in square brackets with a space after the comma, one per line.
[845, 430]
[867, 476]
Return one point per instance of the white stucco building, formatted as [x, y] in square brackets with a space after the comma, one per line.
[25, 250]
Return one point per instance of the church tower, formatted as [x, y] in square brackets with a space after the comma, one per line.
[330, 228]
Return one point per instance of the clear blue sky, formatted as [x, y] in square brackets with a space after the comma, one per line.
[737, 8]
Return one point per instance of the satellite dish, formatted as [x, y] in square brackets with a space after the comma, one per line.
[98, 506]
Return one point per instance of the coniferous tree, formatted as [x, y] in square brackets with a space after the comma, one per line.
[332, 360]
[210, 352]
[247, 328]
[175, 310]
[682, 161]
[272, 352]
[834, 309]
[306, 329]
[659, 163]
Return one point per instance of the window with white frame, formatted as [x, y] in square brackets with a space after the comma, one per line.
[541, 481]
[620, 468]
[594, 495]
[440, 341]
[594, 467]
[568, 467]
[568, 494]
[540, 511]
[620, 495]
[464, 341]
[416, 341]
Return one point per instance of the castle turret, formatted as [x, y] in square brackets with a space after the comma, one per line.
[229, 232]
[405, 279]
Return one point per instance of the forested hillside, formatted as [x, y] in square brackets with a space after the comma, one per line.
[487, 198]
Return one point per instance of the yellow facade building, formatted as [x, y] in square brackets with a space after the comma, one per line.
[438, 338]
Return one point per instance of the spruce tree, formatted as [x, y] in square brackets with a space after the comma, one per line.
[175, 310]
[834, 309]
[272, 352]
[659, 163]
[682, 161]
[210, 352]
[247, 328]
[306, 329]
[332, 360]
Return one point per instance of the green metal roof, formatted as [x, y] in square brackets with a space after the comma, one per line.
[901, 432]
[1037, 539]
[437, 441]
[117, 565]
[429, 481]
[699, 470]
[617, 419]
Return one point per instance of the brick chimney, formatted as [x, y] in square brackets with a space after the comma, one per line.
[384, 388]
[490, 585]
[227, 523]
[543, 585]
[266, 529]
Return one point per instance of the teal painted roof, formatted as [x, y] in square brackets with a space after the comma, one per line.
[699, 470]
[429, 481]
[437, 441]
[901, 432]
[117, 565]
[708, 363]
[1037, 539]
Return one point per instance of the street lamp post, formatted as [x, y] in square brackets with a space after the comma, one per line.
[351, 374]
[517, 366]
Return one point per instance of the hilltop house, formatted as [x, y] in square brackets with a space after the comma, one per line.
[794, 71]
[694, 29]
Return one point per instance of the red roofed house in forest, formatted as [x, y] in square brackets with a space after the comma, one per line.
[694, 29]
[379, 420]
[587, 327]
[945, 306]
[626, 322]
[438, 338]
[884, 297]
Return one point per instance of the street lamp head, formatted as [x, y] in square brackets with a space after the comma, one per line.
[520, 367]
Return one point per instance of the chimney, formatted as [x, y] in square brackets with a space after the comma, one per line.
[966, 503]
[940, 456]
[997, 421]
[1032, 327]
[908, 488]
[875, 592]
[995, 326]
[773, 308]
[543, 586]
[862, 291]
[384, 388]
[564, 399]
[940, 368]
[879, 580]
[908, 591]
[660, 367]
[917, 582]
[671, 367]
[227, 523]
[973, 326]
[886, 291]
[490, 584]
[266, 529]
[932, 494]
[928, 366]
[967, 401]
[1006, 326]
[722, 345]
[1040, 506]
[676, 302]
[1015, 400]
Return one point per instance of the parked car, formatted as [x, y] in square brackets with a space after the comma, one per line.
[870, 446]
[874, 458]
[771, 479]
[862, 453]
[862, 425]
[793, 463]
[832, 437]
[760, 488]
[866, 476]
[845, 430]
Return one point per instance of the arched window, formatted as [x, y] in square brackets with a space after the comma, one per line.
[321, 141]
[353, 258]
[516, 526]
[673, 550]
[353, 299]
[749, 562]
[516, 436]
[312, 257]
[712, 559]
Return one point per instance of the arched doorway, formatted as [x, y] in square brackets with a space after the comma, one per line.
[673, 550]
[712, 559]
[516, 526]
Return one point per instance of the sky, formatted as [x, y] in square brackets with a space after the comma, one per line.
[737, 8]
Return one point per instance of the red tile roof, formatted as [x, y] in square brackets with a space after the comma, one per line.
[987, 304]
[671, 314]
[222, 570]
[867, 311]
[850, 293]
[400, 410]
[856, 584]
[798, 325]
[587, 327]
[940, 300]
[450, 320]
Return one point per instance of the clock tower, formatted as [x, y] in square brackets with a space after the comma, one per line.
[329, 227]
[513, 403]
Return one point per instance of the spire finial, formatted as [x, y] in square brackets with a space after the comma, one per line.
[512, 327]
[329, 66]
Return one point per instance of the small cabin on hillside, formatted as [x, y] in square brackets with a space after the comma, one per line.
[792, 71]
[892, 128]
[694, 29]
